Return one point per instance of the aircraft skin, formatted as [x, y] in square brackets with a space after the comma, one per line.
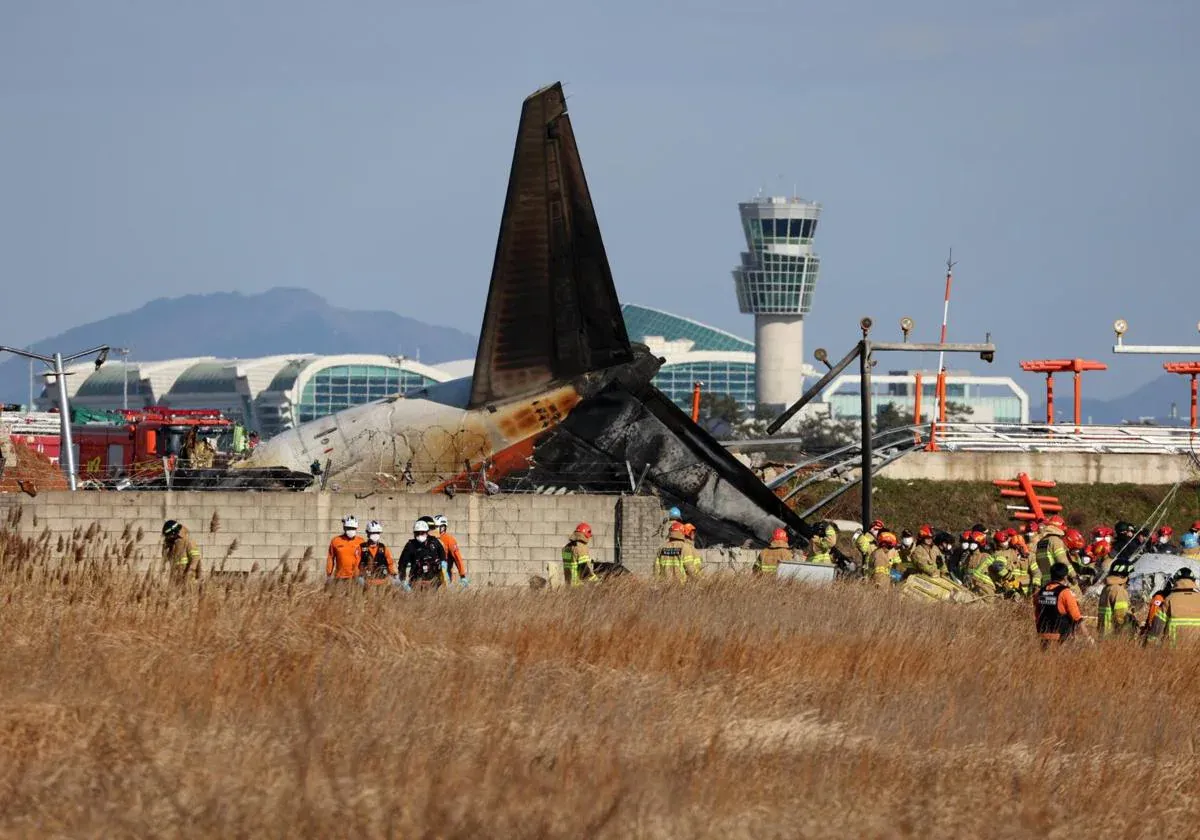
[425, 442]
[557, 385]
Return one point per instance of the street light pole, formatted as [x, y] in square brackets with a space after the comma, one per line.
[124, 351]
[57, 364]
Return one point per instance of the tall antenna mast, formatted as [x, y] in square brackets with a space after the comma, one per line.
[941, 383]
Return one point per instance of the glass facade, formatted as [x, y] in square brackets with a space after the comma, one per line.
[336, 388]
[778, 285]
[779, 269]
[733, 378]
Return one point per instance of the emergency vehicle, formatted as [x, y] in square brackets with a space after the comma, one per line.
[143, 442]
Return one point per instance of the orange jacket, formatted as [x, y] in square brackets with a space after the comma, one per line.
[342, 558]
[453, 554]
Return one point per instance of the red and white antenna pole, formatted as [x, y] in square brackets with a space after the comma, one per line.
[940, 389]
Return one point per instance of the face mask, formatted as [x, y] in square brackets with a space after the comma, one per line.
[908, 541]
[373, 537]
[974, 546]
[421, 537]
[1163, 540]
[966, 545]
[1108, 540]
[350, 532]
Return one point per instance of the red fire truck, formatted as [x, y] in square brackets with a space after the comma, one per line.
[38, 430]
[142, 443]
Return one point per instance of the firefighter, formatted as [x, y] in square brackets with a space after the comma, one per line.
[907, 543]
[180, 554]
[1178, 620]
[673, 515]
[1023, 564]
[1114, 617]
[422, 559]
[1127, 545]
[577, 563]
[823, 541]
[776, 552]
[884, 559]
[1050, 546]
[1083, 574]
[375, 562]
[341, 560]
[454, 555]
[974, 567]
[668, 563]
[1056, 609]
[1015, 580]
[1156, 602]
[1003, 579]
[866, 543]
[1161, 544]
[925, 559]
[944, 543]
[692, 561]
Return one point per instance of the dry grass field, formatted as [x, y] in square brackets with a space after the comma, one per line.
[131, 708]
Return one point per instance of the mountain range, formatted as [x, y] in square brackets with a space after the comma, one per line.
[235, 325]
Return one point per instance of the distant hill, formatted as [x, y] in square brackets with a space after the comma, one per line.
[1152, 400]
[234, 325]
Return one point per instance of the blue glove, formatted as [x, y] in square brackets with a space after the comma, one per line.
[396, 581]
[464, 581]
[407, 586]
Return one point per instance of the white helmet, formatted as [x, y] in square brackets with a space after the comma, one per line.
[373, 527]
[441, 521]
[349, 522]
[420, 527]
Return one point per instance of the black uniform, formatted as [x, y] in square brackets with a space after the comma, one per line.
[422, 561]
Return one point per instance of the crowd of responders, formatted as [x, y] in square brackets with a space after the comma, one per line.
[1044, 562]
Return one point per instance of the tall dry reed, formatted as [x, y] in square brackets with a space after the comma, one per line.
[129, 707]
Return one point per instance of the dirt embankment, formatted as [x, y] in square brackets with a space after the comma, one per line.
[23, 470]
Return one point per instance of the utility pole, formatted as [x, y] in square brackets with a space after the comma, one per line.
[864, 352]
[124, 351]
[57, 363]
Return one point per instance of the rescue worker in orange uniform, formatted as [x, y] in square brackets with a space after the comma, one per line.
[884, 559]
[1114, 618]
[180, 554]
[1056, 609]
[925, 559]
[577, 562]
[668, 563]
[341, 561]
[692, 561]
[1178, 620]
[777, 551]
[375, 562]
[454, 555]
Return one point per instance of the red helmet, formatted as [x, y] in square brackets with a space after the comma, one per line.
[1031, 527]
[1166, 531]
[925, 531]
[1057, 521]
[689, 530]
[585, 529]
[887, 538]
[676, 528]
[978, 536]
[1074, 540]
[779, 535]
[966, 535]
[1196, 525]
[877, 525]
[1004, 535]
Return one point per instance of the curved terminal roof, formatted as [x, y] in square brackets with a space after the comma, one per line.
[643, 321]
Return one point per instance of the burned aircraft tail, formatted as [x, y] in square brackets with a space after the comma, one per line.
[552, 311]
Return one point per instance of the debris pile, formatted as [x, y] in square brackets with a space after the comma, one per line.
[22, 470]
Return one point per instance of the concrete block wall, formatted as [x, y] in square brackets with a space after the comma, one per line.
[1063, 467]
[505, 539]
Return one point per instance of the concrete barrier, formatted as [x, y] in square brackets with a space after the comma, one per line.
[1063, 467]
[505, 539]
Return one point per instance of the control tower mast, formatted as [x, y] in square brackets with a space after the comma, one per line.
[775, 284]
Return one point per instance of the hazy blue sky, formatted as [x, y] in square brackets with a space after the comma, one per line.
[361, 149]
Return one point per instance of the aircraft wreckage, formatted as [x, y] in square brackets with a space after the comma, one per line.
[558, 392]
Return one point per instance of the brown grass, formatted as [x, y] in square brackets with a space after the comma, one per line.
[730, 709]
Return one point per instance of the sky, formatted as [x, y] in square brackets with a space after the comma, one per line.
[361, 150]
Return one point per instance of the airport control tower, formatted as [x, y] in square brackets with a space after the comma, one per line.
[775, 283]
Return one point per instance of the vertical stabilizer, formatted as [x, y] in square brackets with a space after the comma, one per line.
[552, 310]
